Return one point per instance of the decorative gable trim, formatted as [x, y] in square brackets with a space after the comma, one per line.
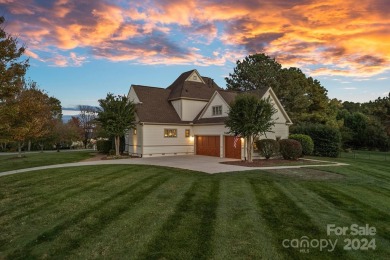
[195, 76]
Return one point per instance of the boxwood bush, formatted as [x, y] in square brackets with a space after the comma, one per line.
[267, 147]
[327, 140]
[290, 149]
[104, 146]
[306, 142]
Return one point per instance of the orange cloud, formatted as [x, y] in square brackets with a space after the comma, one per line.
[338, 37]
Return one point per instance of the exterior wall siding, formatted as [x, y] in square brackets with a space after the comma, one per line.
[155, 144]
[132, 96]
[177, 105]
[217, 101]
[191, 108]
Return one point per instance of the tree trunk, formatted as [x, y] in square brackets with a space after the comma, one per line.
[249, 148]
[29, 145]
[19, 150]
[117, 142]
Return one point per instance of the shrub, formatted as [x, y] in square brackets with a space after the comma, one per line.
[306, 142]
[112, 152]
[104, 146]
[267, 147]
[290, 149]
[326, 139]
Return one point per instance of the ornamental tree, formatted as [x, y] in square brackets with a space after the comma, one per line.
[116, 115]
[250, 117]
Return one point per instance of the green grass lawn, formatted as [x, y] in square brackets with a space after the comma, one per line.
[147, 212]
[28, 160]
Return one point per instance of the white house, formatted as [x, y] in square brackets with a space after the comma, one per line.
[188, 118]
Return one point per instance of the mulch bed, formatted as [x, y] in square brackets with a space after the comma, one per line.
[270, 162]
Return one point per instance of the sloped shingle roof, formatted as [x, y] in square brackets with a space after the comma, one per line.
[181, 88]
[154, 106]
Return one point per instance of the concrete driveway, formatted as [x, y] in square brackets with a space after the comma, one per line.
[207, 164]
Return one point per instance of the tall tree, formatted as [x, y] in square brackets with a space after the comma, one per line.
[29, 115]
[12, 67]
[117, 116]
[87, 118]
[250, 117]
[254, 72]
[304, 98]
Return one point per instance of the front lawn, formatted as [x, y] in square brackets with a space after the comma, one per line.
[28, 160]
[143, 212]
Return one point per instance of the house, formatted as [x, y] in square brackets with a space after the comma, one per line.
[188, 118]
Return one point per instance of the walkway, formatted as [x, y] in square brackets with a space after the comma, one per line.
[207, 164]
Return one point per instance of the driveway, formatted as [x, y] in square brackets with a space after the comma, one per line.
[207, 164]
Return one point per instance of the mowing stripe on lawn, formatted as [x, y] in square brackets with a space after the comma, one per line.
[188, 232]
[32, 178]
[286, 219]
[43, 195]
[95, 211]
[361, 212]
[73, 190]
[134, 230]
[240, 230]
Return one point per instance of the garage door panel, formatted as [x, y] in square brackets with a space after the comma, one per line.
[230, 150]
[208, 145]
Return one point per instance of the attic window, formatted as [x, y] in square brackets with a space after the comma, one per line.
[217, 110]
[195, 77]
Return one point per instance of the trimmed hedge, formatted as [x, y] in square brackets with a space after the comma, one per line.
[104, 146]
[306, 142]
[290, 149]
[327, 140]
[267, 147]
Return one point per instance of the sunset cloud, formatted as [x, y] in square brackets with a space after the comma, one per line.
[327, 37]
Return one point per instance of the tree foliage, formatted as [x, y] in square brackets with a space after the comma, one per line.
[12, 67]
[254, 72]
[327, 139]
[29, 115]
[250, 117]
[116, 115]
[304, 98]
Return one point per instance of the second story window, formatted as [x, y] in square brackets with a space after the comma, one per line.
[217, 110]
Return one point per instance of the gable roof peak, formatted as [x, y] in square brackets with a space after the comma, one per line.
[191, 84]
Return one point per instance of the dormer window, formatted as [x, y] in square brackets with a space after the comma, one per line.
[217, 110]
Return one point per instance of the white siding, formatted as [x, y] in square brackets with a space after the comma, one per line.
[216, 101]
[135, 141]
[280, 130]
[132, 96]
[177, 104]
[278, 117]
[191, 108]
[155, 144]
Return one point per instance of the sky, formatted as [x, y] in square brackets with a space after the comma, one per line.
[80, 49]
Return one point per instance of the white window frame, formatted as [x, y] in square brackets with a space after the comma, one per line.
[217, 110]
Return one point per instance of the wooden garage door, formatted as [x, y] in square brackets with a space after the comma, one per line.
[207, 145]
[230, 150]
